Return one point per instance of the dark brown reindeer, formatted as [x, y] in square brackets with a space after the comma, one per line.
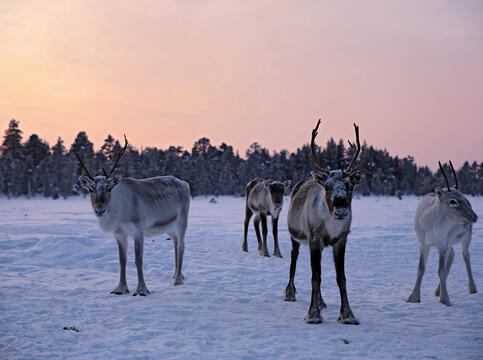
[139, 208]
[320, 216]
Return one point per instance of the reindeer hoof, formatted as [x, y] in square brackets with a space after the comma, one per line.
[142, 292]
[313, 318]
[120, 291]
[264, 253]
[278, 253]
[472, 290]
[178, 280]
[413, 299]
[437, 291]
[244, 248]
[445, 302]
[349, 320]
[290, 293]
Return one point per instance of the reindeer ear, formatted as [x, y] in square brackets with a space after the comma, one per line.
[86, 183]
[319, 177]
[438, 192]
[113, 182]
[286, 184]
[357, 178]
[267, 183]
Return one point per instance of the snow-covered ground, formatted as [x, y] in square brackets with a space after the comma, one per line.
[57, 269]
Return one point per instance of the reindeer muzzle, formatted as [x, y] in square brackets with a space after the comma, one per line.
[341, 213]
[99, 212]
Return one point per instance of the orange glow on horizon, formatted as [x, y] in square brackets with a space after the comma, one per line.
[169, 73]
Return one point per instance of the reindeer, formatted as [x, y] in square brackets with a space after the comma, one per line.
[138, 208]
[264, 198]
[320, 215]
[443, 219]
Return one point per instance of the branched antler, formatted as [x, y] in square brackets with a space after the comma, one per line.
[349, 171]
[121, 153]
[444, 174]
[318, 165]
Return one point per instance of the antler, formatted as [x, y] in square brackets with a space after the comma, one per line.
[444, 174]
[454, 174]
[318, 165]
[121, 153]
[83, 166]
[348, 171]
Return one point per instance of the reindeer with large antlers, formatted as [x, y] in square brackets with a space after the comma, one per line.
[138, 208]
[443, 219]
[320, 216]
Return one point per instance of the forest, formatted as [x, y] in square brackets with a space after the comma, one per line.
[32, 167]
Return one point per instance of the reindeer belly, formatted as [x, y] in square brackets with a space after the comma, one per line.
[160, 226]
[298, 235]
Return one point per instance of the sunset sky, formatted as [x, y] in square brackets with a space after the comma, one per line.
[410, 73]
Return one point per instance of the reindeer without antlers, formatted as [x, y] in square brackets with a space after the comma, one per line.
[443, 219]
[264, 198]
[320, 216]
[138, 208]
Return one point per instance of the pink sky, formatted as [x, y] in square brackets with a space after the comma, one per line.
[410, 73]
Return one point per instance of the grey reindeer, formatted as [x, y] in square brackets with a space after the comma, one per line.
[319, 216]
[139, 208]
[264, 198]
[443, 218]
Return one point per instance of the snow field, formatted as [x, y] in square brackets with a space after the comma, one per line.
[57, 269]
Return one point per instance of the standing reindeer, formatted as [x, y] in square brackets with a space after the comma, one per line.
[138, 208]
[264, 198]
[320, 215]
[443, 219]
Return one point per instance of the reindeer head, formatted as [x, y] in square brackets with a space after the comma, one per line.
[338, 184]
[277, 190]
[100, 186]
[454, 202]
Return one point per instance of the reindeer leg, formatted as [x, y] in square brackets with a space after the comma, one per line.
[178, 245]
[449, 262]
[443, 275]
[256, 225]
[466, 258]
[175, 245]
[263, 218]
[415, 296]
[313, 316]
[248, 215]
[346, 316]
[179, 252]
[122, 243]
[322, 304]
[276, 249]
[138, 252]
[290, 291]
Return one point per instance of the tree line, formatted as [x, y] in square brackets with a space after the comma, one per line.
[33, 168]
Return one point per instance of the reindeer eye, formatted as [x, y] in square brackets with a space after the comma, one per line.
[453, 202]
